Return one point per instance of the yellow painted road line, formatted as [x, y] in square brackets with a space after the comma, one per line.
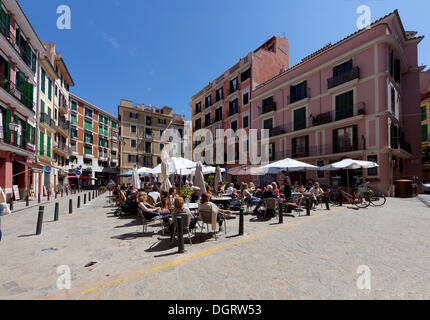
[134, 276]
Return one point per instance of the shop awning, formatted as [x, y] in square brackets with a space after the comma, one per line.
[34, 167]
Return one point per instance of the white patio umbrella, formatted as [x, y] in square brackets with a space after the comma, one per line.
[290, 165]
[218, 178]
[349, 164]
[175, 165]
[206, 170]
[144, 171]
[199, 180]
[135, 179]
[164, 175]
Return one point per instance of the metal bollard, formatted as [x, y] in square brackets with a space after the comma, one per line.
[79, 202]
[181, 248]
[327, 204]
[70, 206]
[48, 196]
[308, 206]
[93, 194]
[62, 193]
[27, 201]
[40, 220]
[241, 223]
[89, 196]
[11, 203]
[85, 198]
[57, 211]
[38, 198]
[56, 195]
[281, 213]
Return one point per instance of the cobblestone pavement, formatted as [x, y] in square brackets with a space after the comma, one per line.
[305, 258]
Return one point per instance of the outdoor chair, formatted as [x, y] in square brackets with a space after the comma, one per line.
[146, 222]
[295, 205]
[206, 219]
[186, 220]
[271, 206]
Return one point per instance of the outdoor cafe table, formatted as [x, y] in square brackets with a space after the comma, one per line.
[223, 201]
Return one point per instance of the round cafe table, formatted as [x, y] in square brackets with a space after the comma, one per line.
[223, 201]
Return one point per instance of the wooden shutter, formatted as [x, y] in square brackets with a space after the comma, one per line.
[293, 147]
[42, 143]
[8, 119]
[48, 147]
[355, 137]
[18, 37]
[335, 146]
[307, 146]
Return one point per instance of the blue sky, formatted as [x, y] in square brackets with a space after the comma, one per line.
[161, 52]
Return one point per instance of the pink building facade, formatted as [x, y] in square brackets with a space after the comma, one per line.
[358, 98]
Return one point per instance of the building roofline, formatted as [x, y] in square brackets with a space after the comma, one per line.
[31, 26]
[74, 96]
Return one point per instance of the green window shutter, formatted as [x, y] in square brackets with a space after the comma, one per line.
[49, 89]
[424, 133]
[42, 143]
[48, 147]
[300, 119]
[355, 137]
[42, 81]
[7, 83]
[7, 26]
[335, 146]
[18, 36]
[26, 134]
[8, 119]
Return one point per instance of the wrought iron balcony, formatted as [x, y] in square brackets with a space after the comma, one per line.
[352, 74]
[305, 95]
[267, 108]
[16, 91]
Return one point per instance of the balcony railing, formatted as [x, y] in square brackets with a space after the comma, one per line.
[267, 108]
[327, 117]
[47, 120]
[17, 140]
[352, 74]
[16, 91]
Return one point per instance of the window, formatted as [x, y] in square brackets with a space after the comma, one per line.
[74, 132]
[268, 124]
[320, 173]
[148, 147]
[114, 125]
[74, 119]
[344, 105]
[132, 158]
[42, 143]
[300, 119]
[234, 107]
[423, 113]
[245, 99]
[42, 82]
[342, 68]
[219, 94]
[246, 122]
[208, 101]
[424, 134]
[161, 146]
[245, 75]
[234, 126]
[300, 147]
[218, 114]
[88, 138]
[372, 171]
[88, 113]
[74, 106]
[134, 115]
[207, 119]
[268, 105]
[272, 152]
[234, 85]
[345, 139]
[298, 92]
[88, 125]
[56, 90]
[133, 129]
[148, 121]
[50, 89]
[198, 108]
[133, 144]
[88, 150]
[148, 133]
[198, 124]
[393, 100]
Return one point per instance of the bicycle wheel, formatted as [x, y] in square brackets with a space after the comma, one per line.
[333, 198]
[361, 202]
[378, 199]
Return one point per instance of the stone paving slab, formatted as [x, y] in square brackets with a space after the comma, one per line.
[306, 258]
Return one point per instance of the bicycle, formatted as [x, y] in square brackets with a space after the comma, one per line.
[360, 201]
[377, 199]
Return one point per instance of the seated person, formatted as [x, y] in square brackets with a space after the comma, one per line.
[267, 194]
[317, 193]
[302, 189]
[230, 189]
[171, 198]
[150, 212]
[154, 194]
[252, 188]
[180, 209]
[195, 197]
[205, 204]
[275, 189]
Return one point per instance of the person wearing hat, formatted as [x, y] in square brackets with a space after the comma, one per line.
[195, 197]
